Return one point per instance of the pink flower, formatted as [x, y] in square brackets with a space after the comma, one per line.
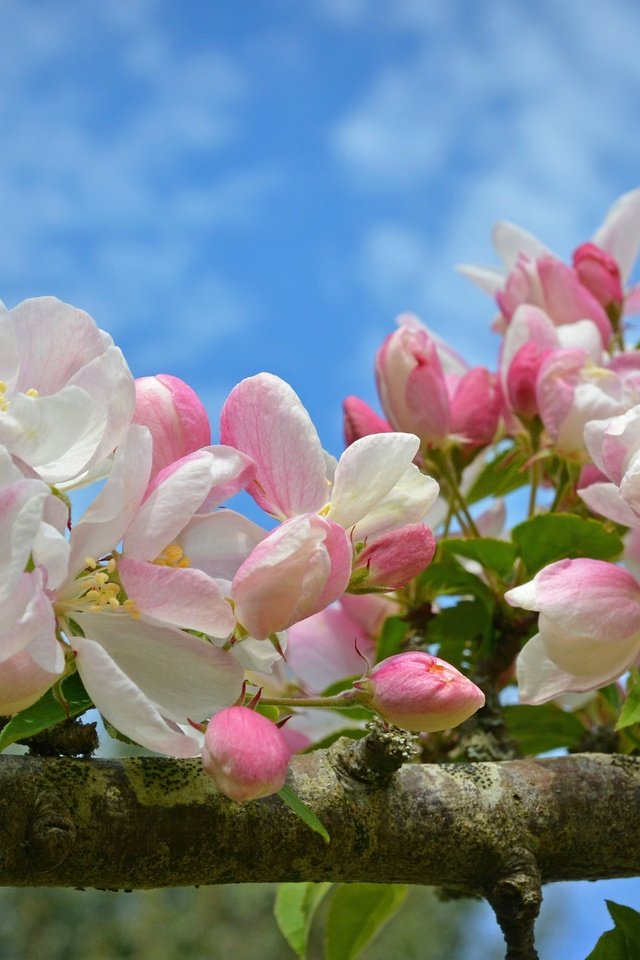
[531, 274]
[419, 692]
[393, 559]
[66, 393]
[361, 421]
[427, 389]
[374, 487]
[175, 416]
[245, 753]
[571, 390]
[589, 628]
[296, 571]
[600, 274]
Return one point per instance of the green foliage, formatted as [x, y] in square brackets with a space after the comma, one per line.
[392, 638]
[296, 904]
[497, 556]
[542, 728]
[456, 629]
[47, 712]
[302, 811]
[558, 536]
[622, 942]
[357, 913]
[630, 712]
[447, 577]
[502, 475]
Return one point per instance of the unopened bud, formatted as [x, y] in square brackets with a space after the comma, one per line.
[245, 753]
[419, 692]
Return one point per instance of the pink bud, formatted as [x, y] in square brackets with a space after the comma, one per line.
[361, 421]
[419, 692]
[297, 570]
[476, 406]
[393, 559]
[600, 274]
[245, 753]
[411, 383]
[175, 416]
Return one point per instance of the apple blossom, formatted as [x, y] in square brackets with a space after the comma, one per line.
[419, 692]
[614, 445]
[426, 389]
[392, 559]
[531, 274]
[245, 753]
[374, 488]
[174, 414]
[589, 628]
[297, 570]
[66, 393]
[360, 420]
[146, 677]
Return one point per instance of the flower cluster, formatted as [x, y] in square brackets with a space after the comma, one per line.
[560, 413]
[195, 630]
[161, 602]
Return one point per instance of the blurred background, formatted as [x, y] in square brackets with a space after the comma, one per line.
[230, 188]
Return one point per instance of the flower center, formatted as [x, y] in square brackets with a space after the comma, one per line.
[94, 592]
[172, 556]
[4, 400]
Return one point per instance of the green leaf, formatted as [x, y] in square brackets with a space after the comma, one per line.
[303, 812]
[47, 712]
[455, 629]
[501, 476]
[495, 555]
[621, 943]
[627, 920]
[630, 712]
[357, 913]
[556, 536]
[392, 638]
[541, 728]
[296, 904]
[446, 577]
[611, 946]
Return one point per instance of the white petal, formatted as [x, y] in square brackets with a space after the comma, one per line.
[367, 471]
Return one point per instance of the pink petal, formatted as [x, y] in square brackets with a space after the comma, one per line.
[265, 419]
[186, 598]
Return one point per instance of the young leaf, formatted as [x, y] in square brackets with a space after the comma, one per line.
[357, 913]
[611, 946]
[502, 475]
[457, 628]
[303, 812]
[295, 906]
[630, 712]
[627, 920]
[495, 555]
[47, 712]
[556, 536]
[541, 728]
[391, 639]
[446, 577]
[621, 943]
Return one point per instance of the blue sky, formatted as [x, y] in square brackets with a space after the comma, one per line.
[229, 188]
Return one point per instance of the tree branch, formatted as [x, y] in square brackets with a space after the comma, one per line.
[142, 823]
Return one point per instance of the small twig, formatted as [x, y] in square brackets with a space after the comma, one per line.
[516, 897]
[373, 760]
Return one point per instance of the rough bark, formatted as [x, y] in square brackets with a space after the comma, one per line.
[485, 829]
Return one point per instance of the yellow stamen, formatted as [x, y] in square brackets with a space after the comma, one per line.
[172, 556]
[32, 392]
